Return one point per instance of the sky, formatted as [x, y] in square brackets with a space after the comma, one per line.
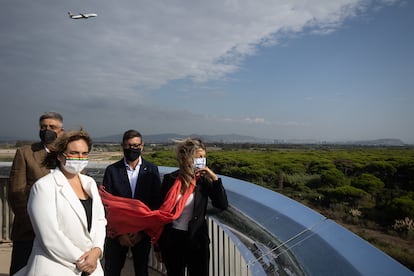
[327, 70]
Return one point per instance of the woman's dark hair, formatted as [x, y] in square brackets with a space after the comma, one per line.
[61, 143]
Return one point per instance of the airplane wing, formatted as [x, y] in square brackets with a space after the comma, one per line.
[71, 15]
[90, 15]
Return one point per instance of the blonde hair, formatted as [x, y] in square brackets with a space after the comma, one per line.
[185, 151]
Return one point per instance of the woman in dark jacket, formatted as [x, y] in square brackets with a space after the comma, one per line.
[185, 241]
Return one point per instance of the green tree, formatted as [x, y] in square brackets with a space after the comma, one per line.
[333, 178]
[404, 177]
[403, 206]
[317, 167]
[346, 166]
[369, 183]
[384, 170]
[344, 194]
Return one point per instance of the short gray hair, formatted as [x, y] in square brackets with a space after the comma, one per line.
[51, 115]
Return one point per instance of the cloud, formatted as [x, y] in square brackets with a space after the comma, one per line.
[108, 66]
[146, 44]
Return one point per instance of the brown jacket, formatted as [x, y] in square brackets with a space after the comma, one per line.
[26, 170]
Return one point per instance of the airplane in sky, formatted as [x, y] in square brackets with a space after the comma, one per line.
[82, 15]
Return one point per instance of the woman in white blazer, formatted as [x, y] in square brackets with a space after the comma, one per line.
[67, 214]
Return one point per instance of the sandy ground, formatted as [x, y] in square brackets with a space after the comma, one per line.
[5, 253]
[94, 156]
[7, 153]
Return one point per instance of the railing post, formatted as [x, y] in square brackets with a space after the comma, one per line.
[6, 215]
[225, 257]
[2, 211]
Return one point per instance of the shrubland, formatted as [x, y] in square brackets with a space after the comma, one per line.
[369, 190]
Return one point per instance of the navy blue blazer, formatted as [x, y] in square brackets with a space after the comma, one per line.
[148, 185]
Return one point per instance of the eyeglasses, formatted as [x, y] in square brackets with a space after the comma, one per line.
[52, 127]
[132, 146]
[76, 155]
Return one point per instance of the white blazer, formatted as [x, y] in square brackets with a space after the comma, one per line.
[59, 222]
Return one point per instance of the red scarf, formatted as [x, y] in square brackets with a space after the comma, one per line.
[126, 215]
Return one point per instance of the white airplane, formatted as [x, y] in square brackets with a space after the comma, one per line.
[82, 15]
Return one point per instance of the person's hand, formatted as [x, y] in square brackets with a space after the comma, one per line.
[207, 172]
[135, 237]
[89, 260]
[125, 240]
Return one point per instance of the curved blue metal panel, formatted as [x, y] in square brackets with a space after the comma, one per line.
[321, 246]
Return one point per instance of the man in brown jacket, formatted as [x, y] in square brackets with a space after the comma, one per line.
[26, 169]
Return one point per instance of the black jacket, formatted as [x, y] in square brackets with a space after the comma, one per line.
[148, 186]
[197, 227]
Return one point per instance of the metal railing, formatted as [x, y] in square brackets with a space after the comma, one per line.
[6, 215]
[225, 254]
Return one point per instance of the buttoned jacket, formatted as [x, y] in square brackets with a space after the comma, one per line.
[147, 188]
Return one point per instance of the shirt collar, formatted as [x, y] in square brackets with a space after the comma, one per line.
[46, 149]
[138, 165]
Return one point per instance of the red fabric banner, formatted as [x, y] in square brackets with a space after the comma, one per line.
[126, 215]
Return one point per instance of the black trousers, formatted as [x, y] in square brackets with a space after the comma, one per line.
[179, 252]
[115, 255]
[20, 255]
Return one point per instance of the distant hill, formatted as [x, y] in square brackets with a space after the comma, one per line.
[165, 138]
[10, 139]
[378, 142]
[170, 137]
[240, 139]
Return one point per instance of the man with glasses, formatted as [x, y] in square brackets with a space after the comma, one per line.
[131, 177]
[26, 169]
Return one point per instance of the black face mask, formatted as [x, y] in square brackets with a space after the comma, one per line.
[132, 154]
[47, 136]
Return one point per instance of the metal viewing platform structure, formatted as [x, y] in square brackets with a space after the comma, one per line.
[266, 233]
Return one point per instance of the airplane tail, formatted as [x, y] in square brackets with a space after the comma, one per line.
[70, 14]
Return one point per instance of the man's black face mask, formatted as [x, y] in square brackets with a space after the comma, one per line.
[132, 154]
[47, 136]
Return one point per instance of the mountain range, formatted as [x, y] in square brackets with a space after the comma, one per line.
[240, 139]
[171, 137]
[229, 139]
